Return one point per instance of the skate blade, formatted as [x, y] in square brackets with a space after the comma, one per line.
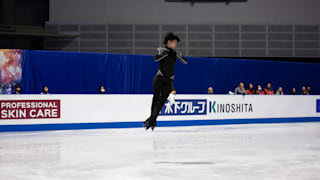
[146, 126]
[153, 127]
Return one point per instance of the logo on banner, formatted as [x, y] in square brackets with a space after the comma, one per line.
[29, 109]
[203, 107]
[318, 105]
[185, 107]
[215, 107]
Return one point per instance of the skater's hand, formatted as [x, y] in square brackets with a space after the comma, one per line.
[179, 54]
[171, 99]
[181, 57]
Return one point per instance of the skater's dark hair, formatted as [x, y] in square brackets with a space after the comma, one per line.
[169, 37]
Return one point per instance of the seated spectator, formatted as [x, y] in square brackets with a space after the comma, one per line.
[309, 90]
[268, 90]
[240, 89]
[293, 91]
[304, 90]
[250, 89]
[45, 90]
[259, 90]
[279, 91]
[102, 90]
[17, 89]
[210, 90]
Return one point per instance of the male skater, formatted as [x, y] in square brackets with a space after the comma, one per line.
[163, 80]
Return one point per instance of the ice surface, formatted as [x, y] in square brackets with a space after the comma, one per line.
[259, 151]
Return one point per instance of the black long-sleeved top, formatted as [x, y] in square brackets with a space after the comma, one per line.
[167, 60]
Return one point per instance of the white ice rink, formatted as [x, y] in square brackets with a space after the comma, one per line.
[231, 152]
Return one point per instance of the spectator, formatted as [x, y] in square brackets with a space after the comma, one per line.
[1, 88]
[210, 90]
[102, 90]
[17, 89]
[268, 90]
[280, 91]
[240, 89]
[309, 90]
[304, 90]
[174, 92]
[45, 90]
[250, 89]
[259, 90]
[293, 91]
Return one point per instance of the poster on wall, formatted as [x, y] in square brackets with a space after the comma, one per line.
[10, 70]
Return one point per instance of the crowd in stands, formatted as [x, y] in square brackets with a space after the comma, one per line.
[18, 90]
[240, 89]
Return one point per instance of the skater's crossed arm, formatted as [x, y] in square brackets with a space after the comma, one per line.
[161, 54]
[181, 57]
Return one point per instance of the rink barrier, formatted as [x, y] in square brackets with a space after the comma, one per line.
[70, 112]
[81, 126]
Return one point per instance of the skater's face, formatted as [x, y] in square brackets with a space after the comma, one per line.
[172, 44]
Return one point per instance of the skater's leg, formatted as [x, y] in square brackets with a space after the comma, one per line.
[164, 93]
[163, 97]
[156, 82]
[155, 101]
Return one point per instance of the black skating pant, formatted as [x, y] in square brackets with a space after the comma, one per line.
[161, 89]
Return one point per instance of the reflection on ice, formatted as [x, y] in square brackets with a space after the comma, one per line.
[262, 151]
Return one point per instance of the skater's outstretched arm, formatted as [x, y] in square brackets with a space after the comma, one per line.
[161, 54]
[181, 57]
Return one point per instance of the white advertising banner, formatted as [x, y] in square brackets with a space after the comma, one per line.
[57, 109]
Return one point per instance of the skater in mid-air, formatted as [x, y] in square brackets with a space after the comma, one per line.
[163, 79]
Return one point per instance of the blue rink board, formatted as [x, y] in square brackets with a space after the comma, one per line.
[75, 126]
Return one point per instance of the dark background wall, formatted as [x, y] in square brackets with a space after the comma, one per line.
[160, 12]
[22, 12]
[288, 29]
[260, 29]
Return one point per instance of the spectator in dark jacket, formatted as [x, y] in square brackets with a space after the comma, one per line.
[259, 90]
[293, 91]
[309, 90]
[268, 90]
[17, 89]
[304, 90]
[210, 90]
[45, 90]
[102, 90]
[250, 89]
